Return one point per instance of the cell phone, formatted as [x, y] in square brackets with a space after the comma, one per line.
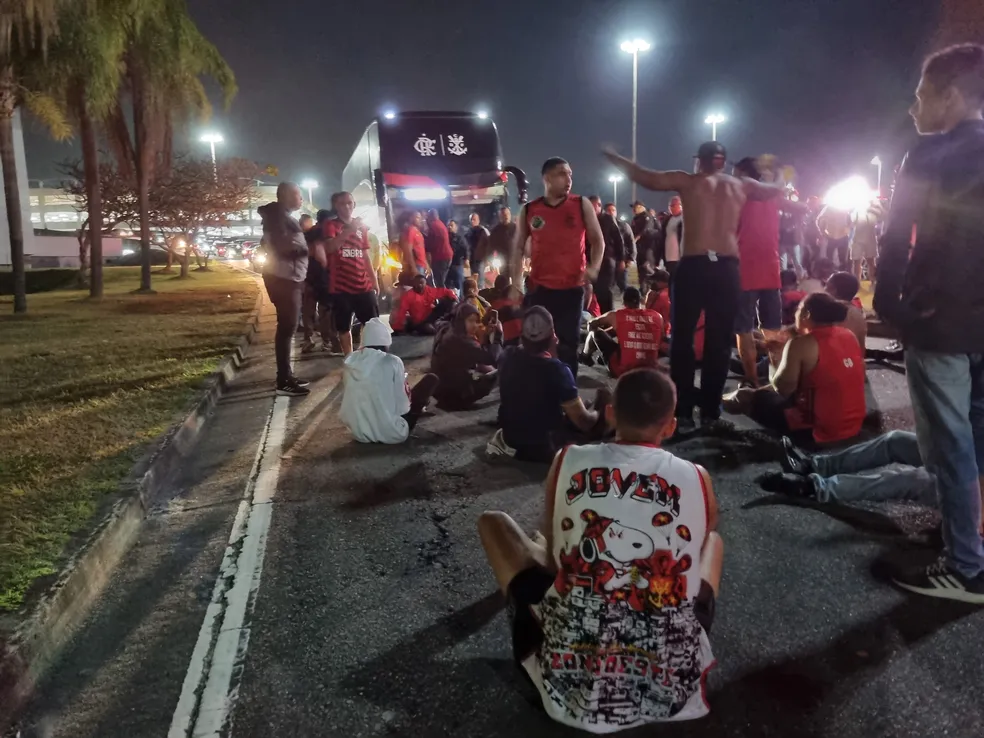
[492, 316]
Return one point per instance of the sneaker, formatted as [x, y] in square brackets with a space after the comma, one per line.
[939, 580]
[795, 461]
[498, 446]
[307, 347]
[291, 388]
[585, 359]
[786, 484]
[300, 382]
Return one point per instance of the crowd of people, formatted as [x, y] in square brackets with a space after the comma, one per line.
[613, 601]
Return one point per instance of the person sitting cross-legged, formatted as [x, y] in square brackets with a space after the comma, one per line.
[464, 357]
[540, 410]
[612, 607]
[627, 338]
[421, 307]
[819, 385]
[377, 404]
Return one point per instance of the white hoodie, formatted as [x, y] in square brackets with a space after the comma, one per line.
[375, 397]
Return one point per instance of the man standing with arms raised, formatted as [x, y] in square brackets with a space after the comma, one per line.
[708, 277]
[556, 226]
[929, 287]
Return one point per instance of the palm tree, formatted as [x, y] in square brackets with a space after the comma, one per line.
[165, 61]
[79, 81]
[24, 25]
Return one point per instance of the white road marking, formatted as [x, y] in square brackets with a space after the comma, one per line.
[211, 683]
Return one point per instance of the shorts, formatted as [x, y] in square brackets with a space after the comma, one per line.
[863, 249]
[769, 312]
[529, 587]
[360, 304]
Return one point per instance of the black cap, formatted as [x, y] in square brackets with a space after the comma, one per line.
[709, 149]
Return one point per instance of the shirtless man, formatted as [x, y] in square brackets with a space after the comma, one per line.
[707, 279]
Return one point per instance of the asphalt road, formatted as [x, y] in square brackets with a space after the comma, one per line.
[376, 614]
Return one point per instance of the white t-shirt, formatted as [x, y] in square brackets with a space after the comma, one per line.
[622, 645]
[674, 238]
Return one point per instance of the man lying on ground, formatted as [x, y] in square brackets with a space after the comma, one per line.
[627, 338]
[420, 308]
[819, 385]
[464, 363]
[630, 564]
[377, 404]
[540, 410]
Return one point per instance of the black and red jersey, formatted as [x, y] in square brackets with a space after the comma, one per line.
[350, 267]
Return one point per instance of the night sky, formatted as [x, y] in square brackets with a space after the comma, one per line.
[823, 84]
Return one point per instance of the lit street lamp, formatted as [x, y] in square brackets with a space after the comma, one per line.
[310, 185]
[211, 139]
[615, 179]
[712, 120]
[877, 162]
[634, 47]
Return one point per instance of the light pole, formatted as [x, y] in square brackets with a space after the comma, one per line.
[878, 163]
[615, 179]
[211, 139]
[310, 185]
[634, 47]
[712, 120]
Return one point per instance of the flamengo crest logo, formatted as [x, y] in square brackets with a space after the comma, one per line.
[536, 223]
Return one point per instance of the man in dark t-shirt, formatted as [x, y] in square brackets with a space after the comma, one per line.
[540, 410]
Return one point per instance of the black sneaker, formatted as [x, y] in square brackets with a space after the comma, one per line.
[795, 461]
[939, 580]
[291, 388]
[787, 484]
[300, 382]
[585, 359]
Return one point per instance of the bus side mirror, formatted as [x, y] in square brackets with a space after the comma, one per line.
[522, 184]
[379, 187]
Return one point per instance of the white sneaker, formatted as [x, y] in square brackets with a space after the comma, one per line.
[498, 446]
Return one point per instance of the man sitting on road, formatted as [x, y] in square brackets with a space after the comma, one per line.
[638, 334]
[819, 385]
[377, 405]
[630, 562]
[420, 308]
[540, 409]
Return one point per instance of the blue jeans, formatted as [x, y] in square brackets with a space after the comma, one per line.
[838, 476]
[455, 279]
[947, 392]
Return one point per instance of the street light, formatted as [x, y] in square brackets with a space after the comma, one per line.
[877, 162]
[482, 114]
[712, 120]
[634, 47]
[615, 179]
[389, 115]
[310, 185]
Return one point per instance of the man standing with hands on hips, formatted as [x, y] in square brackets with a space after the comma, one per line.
[707, 279]
[556, 226]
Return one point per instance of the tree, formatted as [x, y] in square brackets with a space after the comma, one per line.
[25, 26]
[165, 60]
[194, 196]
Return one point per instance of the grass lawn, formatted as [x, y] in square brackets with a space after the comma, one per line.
[84, 386]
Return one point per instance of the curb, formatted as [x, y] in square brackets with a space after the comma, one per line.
[38, 640]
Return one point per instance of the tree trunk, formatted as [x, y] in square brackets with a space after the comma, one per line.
[170, 257]
[186, 256]
[90, 163]
[11, 190]
[83, 238]
[141, 146]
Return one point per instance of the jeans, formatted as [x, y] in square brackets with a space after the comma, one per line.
[286, 295]
[621, 278]
[711, 287]
[440, 272]
[947, 392]
[565, 308]
[604, 286]
[838, 477]
[455, 279]
[838, 247]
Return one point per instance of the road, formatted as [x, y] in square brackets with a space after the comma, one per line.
[368, 609]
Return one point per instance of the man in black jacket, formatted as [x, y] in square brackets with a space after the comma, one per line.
[646, 232]
[614, 249]
[931, 259]
[628, 248]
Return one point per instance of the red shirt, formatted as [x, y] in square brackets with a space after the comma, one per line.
[350, 268]
[438, 242]
[758, 245]
[830, 399]
[639, 334]
[417, 306]
[417, 250]
[557, 257]
[594, 308]
[510, 315]
[660, 302]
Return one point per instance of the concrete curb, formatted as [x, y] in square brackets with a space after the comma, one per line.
[53, 620]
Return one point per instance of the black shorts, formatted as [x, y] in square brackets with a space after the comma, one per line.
[360, 304]
[529, 587]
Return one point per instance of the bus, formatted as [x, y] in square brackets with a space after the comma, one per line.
[421, 160]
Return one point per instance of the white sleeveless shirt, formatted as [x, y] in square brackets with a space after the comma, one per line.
[622, 646]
